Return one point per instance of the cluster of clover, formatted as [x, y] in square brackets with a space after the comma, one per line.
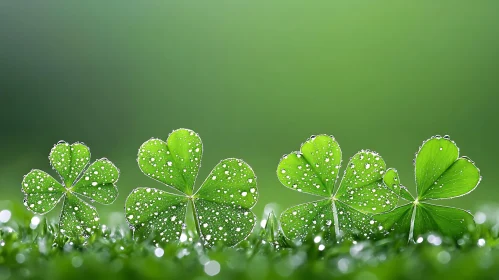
[365, 204]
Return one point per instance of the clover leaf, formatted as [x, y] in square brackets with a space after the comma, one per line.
[440, 174]
[221, 206]
[96, 183]
[341, 214]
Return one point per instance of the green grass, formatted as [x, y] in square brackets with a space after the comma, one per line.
[34, 252]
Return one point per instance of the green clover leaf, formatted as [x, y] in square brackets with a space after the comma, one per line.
[440, 174]
[345, 213]
[221, 206]
[96, 183]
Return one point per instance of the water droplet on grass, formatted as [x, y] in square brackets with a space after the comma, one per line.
[480, 218]
[212, 268]
[5, 216]
[434, 240]
[443, 257]
[481, 242]
[35, 221]
[159, 252]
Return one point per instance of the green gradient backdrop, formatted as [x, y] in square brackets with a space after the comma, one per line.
[255, 79]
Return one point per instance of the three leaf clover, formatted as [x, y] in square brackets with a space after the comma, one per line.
[440, 174]
[221, 206]
[96, 183]
[344, 213]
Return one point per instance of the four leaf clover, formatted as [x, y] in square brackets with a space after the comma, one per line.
[221, 206]
[440, 174]
[96, 183]
[344, 213]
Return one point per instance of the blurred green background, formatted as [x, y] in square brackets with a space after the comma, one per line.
[254, 79]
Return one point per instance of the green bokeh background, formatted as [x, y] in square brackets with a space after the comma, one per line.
[254, 79]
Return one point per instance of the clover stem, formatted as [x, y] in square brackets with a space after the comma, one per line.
[196, 219]
[413, 220]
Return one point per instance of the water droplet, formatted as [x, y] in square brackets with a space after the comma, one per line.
[481, 242]
[158, 252]
[5, 216]
[480, 218]
[443, 257]
[212, 268]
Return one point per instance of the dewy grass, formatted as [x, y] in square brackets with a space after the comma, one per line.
[355, 231]
[31, 249]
